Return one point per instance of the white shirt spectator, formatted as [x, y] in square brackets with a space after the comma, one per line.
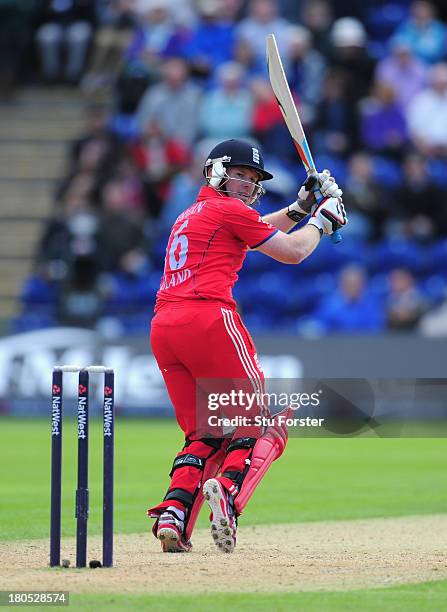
[427, 113]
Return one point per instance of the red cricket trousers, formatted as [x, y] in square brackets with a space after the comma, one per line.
[201, 346]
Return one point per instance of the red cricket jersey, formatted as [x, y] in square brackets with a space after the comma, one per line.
[207, 247]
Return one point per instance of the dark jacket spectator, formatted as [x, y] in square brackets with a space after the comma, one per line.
[307, 68]
[336, 121]
[419, 204]
[405, 303]
[65, 25]
[349, 56]
[365, 199]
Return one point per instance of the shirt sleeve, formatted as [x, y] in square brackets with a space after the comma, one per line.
[246, 224]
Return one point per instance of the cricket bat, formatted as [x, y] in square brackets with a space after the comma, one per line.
[285, 101]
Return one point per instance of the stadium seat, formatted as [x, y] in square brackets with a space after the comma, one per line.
[335, 164]
[437, 258]
[386, 171]
[396, 253]
[435, 288]
[382, 21]
[437, 169]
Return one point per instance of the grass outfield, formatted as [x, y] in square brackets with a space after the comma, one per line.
[430, 596]
[315, 480]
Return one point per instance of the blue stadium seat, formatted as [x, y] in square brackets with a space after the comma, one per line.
[158, 252]
[379, 286]
[327, 255]
[396, 253]
[435, 288]
[382, 21]
[259, 322]
[437, 169]
[333, 163]
[386, 171]
[30, 321]
[37, 291]
[437, 258]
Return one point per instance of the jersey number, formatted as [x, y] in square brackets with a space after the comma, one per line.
[182, 241]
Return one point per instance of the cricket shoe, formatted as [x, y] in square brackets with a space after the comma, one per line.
[223, 519]
[170, 533]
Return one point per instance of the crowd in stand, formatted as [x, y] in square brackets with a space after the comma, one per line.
[165, 80]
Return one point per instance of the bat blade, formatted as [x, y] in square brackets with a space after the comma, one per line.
[286, 103]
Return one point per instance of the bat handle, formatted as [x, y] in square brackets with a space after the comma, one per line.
[336, 237]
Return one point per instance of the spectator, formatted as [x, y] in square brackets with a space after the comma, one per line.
[405, 303]
[402, 71]
[317, 17]
[418, 204]
[118, 233]
[268, 123]
[427, 115]
[225, 112]
[291, 9]
[251, 32]
[382, 123]
[157, 37]
[336, 123]
[424, 33]
[96, 128]
[80, 299]
[173, 103]
[183, 190]
[307, 68]
[159, 158]
[129, 175]
[212, 41]
[111, 40]
[76, 186]
[70, 230]
[364, 198]
[351, 309]
[66, 32]
[16, 20]
[349, 55]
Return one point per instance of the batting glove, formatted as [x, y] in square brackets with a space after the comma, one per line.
[329, 216]
[328, 186]
[305, 203]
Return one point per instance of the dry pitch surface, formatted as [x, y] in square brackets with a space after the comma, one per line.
[327, 555]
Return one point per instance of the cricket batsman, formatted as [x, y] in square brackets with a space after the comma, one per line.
[197, 334]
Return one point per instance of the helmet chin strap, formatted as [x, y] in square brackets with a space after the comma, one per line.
[219, 177]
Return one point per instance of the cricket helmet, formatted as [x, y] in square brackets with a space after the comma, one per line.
[230, 153]
[234, 152]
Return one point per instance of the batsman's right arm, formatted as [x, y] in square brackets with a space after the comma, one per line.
[328, 217]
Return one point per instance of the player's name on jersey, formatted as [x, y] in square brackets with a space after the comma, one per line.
[175, 278]
[192, 210]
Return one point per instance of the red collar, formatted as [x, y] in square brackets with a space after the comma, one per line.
[207, 192]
